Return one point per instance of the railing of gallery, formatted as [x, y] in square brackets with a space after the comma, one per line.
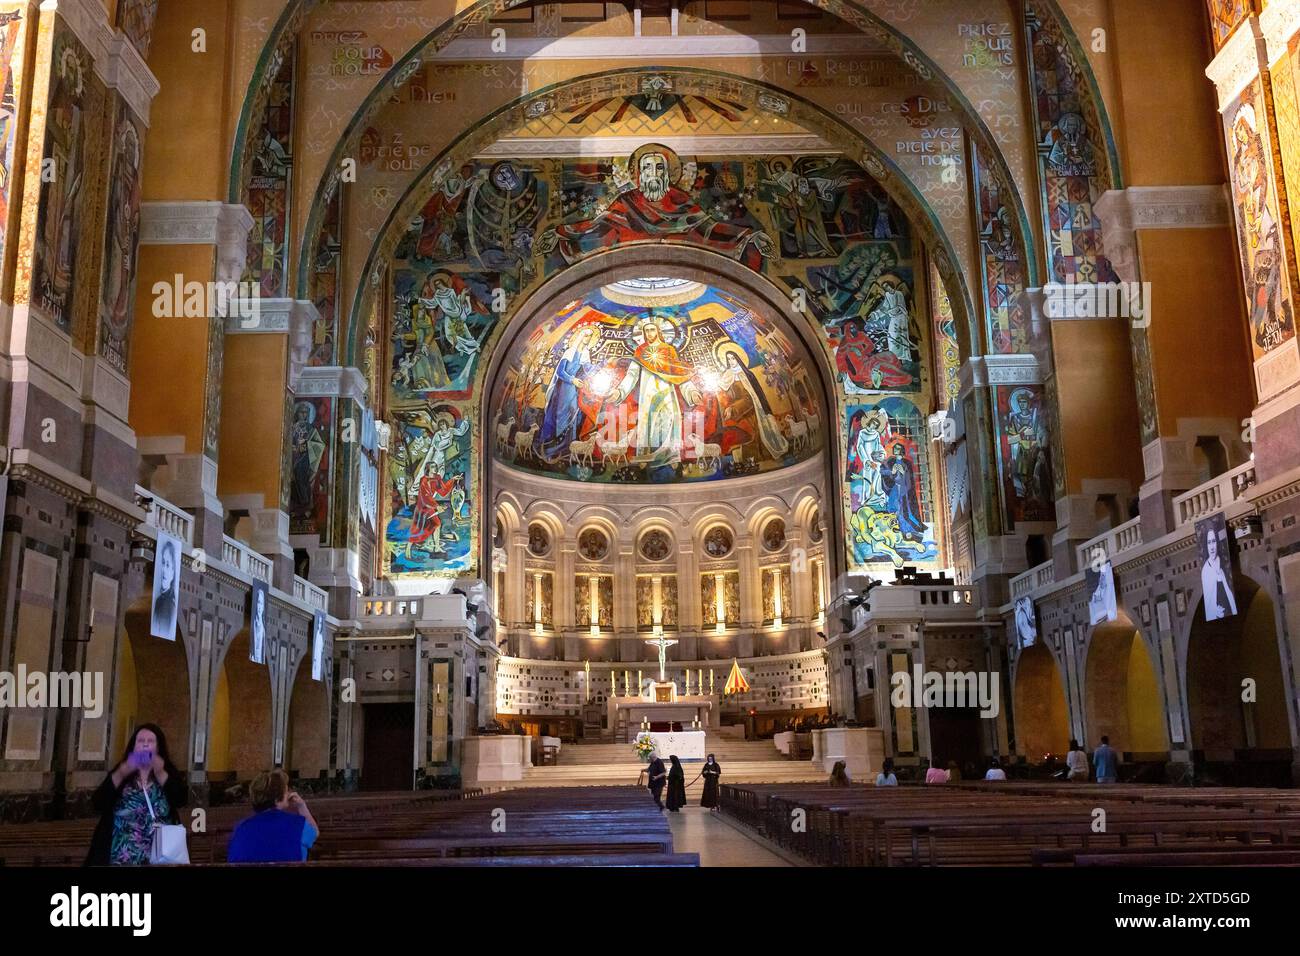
[447, 610]
[910, 601]
[310, 594]
[1217, 494]
[162, 515]
[241, 556]
[1109, 545]
[1034, 579]
[1214, 495]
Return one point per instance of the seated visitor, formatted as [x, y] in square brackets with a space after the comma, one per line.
[144, 787]
[1076, 762]
[936, 775]
[840, 775]
[886, 777]
[281, 830]
[995, 771]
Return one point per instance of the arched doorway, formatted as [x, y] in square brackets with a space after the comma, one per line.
[153, 685]
[1237, 739]
[1122, 695]
[1042, 715]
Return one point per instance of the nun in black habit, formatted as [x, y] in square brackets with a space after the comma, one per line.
[676, 785]
[711, 772]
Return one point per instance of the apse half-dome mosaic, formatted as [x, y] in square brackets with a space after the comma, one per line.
[651, 380]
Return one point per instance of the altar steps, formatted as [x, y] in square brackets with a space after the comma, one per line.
[625, 773]
[613, 765]
[596, 754]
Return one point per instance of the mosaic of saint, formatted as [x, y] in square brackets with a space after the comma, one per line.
[634, 387]
[75, 96]
[890, 511]
[429, 515]
[1026, 453]
[1258, 225]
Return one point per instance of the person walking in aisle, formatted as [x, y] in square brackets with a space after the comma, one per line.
[657, 777]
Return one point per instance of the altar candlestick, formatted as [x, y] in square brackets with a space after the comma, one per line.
[710, 680]
[627, 684]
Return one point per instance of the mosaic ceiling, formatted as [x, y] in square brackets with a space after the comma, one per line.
[653, 380]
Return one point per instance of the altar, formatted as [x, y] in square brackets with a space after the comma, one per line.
[666, 712]
[684, 744]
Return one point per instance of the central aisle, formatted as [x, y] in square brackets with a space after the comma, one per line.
[696, 830]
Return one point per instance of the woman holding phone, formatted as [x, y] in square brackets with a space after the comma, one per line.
[144, 787]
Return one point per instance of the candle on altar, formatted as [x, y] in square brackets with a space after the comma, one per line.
[639, 682]
[710, 680]
[627, 684]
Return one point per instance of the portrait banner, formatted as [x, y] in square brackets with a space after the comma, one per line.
[1026, 623]
[166, 586]
[257, 623]
[318, 645]
[1102, 606]
[1215, 548]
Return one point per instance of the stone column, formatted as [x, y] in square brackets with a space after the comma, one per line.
[513, 603]
[566, 549]
[751, 584]
[626, 646]
[1149, 231]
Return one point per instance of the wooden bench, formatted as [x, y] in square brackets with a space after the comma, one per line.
[997, 824]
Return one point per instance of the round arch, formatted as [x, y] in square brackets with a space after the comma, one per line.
[1221, 656]
[1123, 700]
[1042, 714]
[670, 261]
[251, 730]
[153, 685]
[761, 96]
[854, 14]
[307, 747]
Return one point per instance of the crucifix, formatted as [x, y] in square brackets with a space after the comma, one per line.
[663, 645]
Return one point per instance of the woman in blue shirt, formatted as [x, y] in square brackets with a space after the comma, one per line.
[281, 830]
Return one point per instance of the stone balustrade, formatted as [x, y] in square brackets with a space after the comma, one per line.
[162, 515]
[1214, 495]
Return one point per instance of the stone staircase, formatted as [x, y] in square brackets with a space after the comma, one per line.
[612, 765]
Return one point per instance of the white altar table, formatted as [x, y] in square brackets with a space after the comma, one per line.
[686, 744]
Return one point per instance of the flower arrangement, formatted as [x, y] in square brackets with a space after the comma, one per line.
[644, 748]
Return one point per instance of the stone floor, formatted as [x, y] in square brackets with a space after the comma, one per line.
[719, 843]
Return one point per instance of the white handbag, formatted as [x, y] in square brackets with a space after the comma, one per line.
[168, 842]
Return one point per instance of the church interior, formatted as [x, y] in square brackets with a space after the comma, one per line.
[459, 405]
